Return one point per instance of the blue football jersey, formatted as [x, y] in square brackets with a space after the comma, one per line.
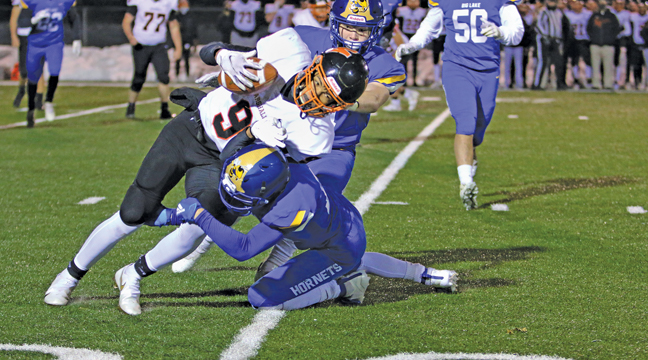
[464, 44]
[307, 214]
[383, 68]
[49, 30]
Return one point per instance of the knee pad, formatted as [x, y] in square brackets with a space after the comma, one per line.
[163, 79]
[138, 82]
[136, 209]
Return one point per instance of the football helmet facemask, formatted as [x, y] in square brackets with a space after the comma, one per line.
[253, 177]
[345, 75]
[360, 13]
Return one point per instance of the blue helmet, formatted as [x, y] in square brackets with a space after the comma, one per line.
[252, 178]
[362, 13]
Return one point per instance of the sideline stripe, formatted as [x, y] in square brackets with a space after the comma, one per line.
[464, 356]
[77, 114]
[63, 353]
[248, 341]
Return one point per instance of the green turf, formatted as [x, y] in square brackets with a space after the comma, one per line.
[567, 262]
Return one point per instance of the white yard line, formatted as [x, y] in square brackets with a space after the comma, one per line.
[249, 340]
[77, 114]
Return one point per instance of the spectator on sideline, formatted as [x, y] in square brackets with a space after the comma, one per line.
[579, 48]
[247, 19]
[603, 28]
[189, 37]
[622, 42]
[550, 40]
[635, 57]
[316, 14]
[278, 15]
[146, 32]
[410, 17]
[515, 53]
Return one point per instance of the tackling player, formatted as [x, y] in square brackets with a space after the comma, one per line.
[145, 26]
[192, 142]
[471, 70]
[45, 43]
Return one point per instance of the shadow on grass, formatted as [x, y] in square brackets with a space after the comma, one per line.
[449, 136]
[381, 290]
[556, 186]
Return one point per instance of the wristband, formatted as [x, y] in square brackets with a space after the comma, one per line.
[353, 107]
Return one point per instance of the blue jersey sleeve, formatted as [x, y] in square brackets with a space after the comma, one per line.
[384, 69]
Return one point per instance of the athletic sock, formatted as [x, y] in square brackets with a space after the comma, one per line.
[52, 84]
[75, 271]
[386, 266]
[38, 102]
[175, 246]
[465, 173]
[31, 91]
[142, 268]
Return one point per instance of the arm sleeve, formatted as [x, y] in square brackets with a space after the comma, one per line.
[75, 22]
[208, 52]
[236, 244]
[429, 29]
[512, 27]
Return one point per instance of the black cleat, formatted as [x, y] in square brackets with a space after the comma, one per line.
[30, 118]
[19, 97]
[130, 111]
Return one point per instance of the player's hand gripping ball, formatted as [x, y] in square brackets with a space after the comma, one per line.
[267, 75]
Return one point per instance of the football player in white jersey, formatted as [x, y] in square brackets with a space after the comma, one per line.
[578, 18]
[316, 15]
[302, 99]
[145, 26]
[247, 18]
[278, 15]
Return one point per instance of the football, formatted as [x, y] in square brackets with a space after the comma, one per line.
[267, 76]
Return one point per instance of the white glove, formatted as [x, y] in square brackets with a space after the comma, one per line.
[271, 132]
[43, 14]
[76, 47]
[406, 49]
[490, 30]
[209, 80]
[234, 64]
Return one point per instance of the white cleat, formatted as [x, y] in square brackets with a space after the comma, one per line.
[49, 111]
[412, 99]
[355, 285]
[468, 194]
[59, 292]
[392, 106]
[190, 260]
[442, 279]
[127, 281]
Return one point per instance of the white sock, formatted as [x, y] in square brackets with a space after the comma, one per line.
[465, 173]
[282, 252]
[407, 93]
[102, 239]
[175, 246]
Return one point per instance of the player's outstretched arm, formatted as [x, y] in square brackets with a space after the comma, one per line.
[512, 29]
[429, 30]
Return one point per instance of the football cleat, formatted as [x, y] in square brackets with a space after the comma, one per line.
[127, 281]
[394, 105]
[412, 99]
[442, 279]
[49, 111]
[190, 260]
[165, 114]
[59, 292]
[30, 118]
[130, 111]
[468, 194]
[19, 97]
[353, 287]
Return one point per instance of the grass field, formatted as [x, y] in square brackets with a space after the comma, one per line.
[563, 273]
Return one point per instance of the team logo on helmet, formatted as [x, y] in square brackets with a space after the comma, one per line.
[358, 10]
[237, 170]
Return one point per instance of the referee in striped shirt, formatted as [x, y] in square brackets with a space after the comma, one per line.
[551, 29]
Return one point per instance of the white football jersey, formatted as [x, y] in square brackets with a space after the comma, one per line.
[411, 18]
[624, 20]
[638, 22]
[224, 114]
[281, 18]
[579, 22]
[151, 20]
[15, 2]
[305, 17]
[245, 14]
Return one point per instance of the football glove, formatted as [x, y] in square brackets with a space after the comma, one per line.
[406, 49]
[188, 209]
[270, 132]
[235, 65]
[490, 30]
[209, 80]
[76, 47]
[43, 14]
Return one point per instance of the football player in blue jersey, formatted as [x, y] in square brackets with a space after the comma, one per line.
[471, 58]
[45, 43]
